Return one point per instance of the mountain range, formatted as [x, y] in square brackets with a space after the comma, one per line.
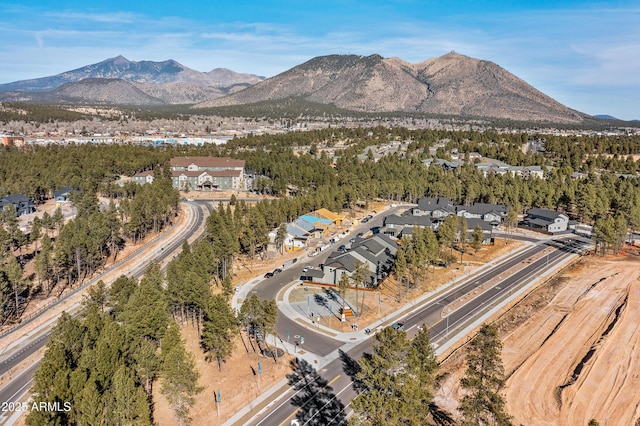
[452, 84]
[142, 83]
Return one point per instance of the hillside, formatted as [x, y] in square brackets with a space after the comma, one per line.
[452, 84]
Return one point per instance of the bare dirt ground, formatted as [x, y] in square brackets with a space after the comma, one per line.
[237, 382]
[571, 348]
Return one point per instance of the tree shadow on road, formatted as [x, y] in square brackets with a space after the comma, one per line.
[351, 368]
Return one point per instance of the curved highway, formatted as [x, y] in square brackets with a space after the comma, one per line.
[133, 267]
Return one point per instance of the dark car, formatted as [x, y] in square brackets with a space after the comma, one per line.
[360, 235]
[398, 326]
[277, 271]
[268, 275]
[342, 248]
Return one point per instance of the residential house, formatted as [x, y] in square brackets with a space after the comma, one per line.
[493, 213]
[487, 229]
[143, 177]
[547, 220]
[335, 218]
[527, 171]
[427, 205]
[21, 203]
[320, 223]
[63, 195]
[376, 253]
[452, 164]
[398, 225]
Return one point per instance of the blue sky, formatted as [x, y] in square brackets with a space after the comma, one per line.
[584, 54]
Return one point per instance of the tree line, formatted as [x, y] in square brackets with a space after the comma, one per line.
[64, 254]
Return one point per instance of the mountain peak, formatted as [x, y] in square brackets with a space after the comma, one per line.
[119, 58]
[452, 84]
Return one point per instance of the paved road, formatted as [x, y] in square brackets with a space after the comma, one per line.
[317, 343]
[431, 315]
[18, 386]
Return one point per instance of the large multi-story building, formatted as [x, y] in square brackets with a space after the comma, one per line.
[207, 173]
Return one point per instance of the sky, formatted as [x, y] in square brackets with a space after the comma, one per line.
[584, 54]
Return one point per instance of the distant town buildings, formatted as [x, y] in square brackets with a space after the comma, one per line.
[12, 140]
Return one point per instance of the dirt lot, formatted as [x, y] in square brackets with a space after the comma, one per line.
[237, 382]
[571, 348]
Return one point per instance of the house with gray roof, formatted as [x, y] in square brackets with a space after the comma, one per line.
[21, 203]
[547, 220]
[427, 205]
[377, 253]
[494, 213]
[395, 225]
[63, 195]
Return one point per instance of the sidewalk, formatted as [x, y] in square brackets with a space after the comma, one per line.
[288, 310]
[350, 339]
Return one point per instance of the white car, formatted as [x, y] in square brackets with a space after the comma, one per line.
[306, 268]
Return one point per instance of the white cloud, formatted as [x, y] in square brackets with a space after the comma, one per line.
[110, 17]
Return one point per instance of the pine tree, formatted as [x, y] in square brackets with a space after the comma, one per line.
[390, 378]
[219, 328]
[318, 404]
[476, 238]
[180, 384]
[130, 404]
[462, 236]
[483, 380]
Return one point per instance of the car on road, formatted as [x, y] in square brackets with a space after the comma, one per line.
[268, 275]
[277, 271]
[342, 248]
[306, 268]
[353, 240]
[398, 326]
[360, 235]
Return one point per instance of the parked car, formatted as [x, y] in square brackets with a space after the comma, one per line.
[342, 248]
[277, 271]
[398, 326]
[353, 240]
[306, 268]
[360, 235]
[268, 275]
